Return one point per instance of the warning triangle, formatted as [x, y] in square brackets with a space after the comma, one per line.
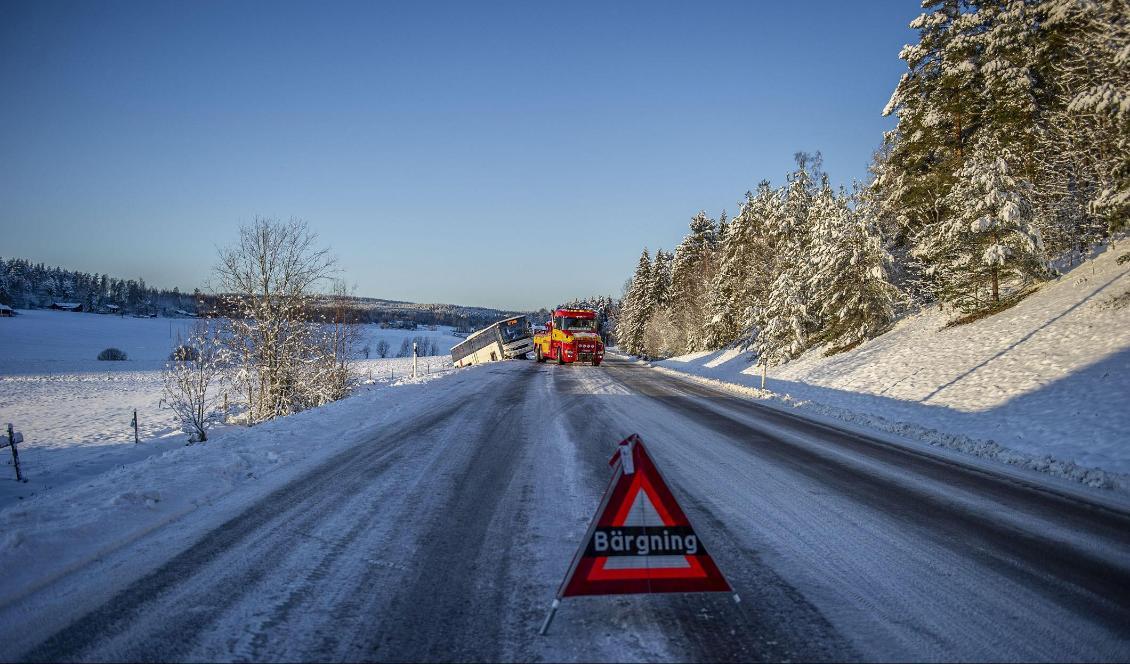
[640, 541]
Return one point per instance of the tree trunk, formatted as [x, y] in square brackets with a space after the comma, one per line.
[960, 147]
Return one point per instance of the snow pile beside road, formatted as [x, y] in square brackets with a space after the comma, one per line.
[1043, 385]
[47, 535]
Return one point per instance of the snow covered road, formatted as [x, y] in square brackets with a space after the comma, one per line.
[444, 534]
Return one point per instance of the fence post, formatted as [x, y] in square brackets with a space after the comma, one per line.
[764, 366]
[136, 439]
[14, 438]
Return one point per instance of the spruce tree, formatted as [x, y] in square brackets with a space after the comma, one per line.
[788, 320]
[636, 307]
[746, 265]
[850, 279]
[692, 270]
[658, 337]
[989, 240]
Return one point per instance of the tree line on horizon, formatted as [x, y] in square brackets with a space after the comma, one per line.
[1010, 156]
[28, 285]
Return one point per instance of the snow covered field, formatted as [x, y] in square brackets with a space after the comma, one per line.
[1043, 385]
[75, 411]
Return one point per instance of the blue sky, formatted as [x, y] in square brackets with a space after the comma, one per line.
[498, 154]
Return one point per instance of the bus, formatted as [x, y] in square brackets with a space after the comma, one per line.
[505, 339]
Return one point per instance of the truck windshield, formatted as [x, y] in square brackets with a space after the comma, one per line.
[587, 324]
[514, 332]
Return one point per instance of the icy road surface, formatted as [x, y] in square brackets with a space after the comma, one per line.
[445, 534]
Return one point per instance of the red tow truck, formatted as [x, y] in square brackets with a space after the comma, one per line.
[570, 337]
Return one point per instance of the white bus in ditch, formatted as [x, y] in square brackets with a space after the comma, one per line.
[505, 339]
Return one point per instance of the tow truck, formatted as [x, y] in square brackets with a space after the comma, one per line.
[570, 337]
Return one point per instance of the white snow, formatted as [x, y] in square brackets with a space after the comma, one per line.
[45, 534]
[75, 411]
[1044, 384]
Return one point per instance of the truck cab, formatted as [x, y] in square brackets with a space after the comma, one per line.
[570, 337]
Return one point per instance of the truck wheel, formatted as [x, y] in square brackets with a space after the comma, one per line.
[538, 355]
[596, 363]
[560, 355]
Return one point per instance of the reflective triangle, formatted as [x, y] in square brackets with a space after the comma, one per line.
[640, 540]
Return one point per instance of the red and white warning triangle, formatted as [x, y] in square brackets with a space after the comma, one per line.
[640, 541]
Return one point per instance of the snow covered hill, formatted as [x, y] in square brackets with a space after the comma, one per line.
[1045, 384]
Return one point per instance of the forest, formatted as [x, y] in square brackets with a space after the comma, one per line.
[28, 285]
[1009, 161]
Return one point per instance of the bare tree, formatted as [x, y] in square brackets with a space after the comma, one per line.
[382, 348]
[267, 281]
[194, 377]
[339, 334]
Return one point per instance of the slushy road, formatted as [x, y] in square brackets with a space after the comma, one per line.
[445, 534]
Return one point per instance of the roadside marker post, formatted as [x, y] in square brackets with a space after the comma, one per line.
[14, 438]
[640, 540]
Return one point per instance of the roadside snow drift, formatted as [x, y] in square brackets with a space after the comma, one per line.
[49, 534]
[1044, 384]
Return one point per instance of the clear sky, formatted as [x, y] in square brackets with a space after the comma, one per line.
[499, 154]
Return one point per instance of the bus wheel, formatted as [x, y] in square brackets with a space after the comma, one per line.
[560, 355]
[538, 355]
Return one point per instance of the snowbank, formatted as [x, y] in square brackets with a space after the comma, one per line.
[1043, 385]
[47, 535]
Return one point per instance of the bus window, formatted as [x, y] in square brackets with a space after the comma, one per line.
[514, 332]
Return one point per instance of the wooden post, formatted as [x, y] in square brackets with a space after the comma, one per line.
[764, 366]
[136, 438]
[225, 406]
[14, 438]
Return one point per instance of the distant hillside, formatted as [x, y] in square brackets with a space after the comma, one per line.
[376, 310]
[28, 285]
